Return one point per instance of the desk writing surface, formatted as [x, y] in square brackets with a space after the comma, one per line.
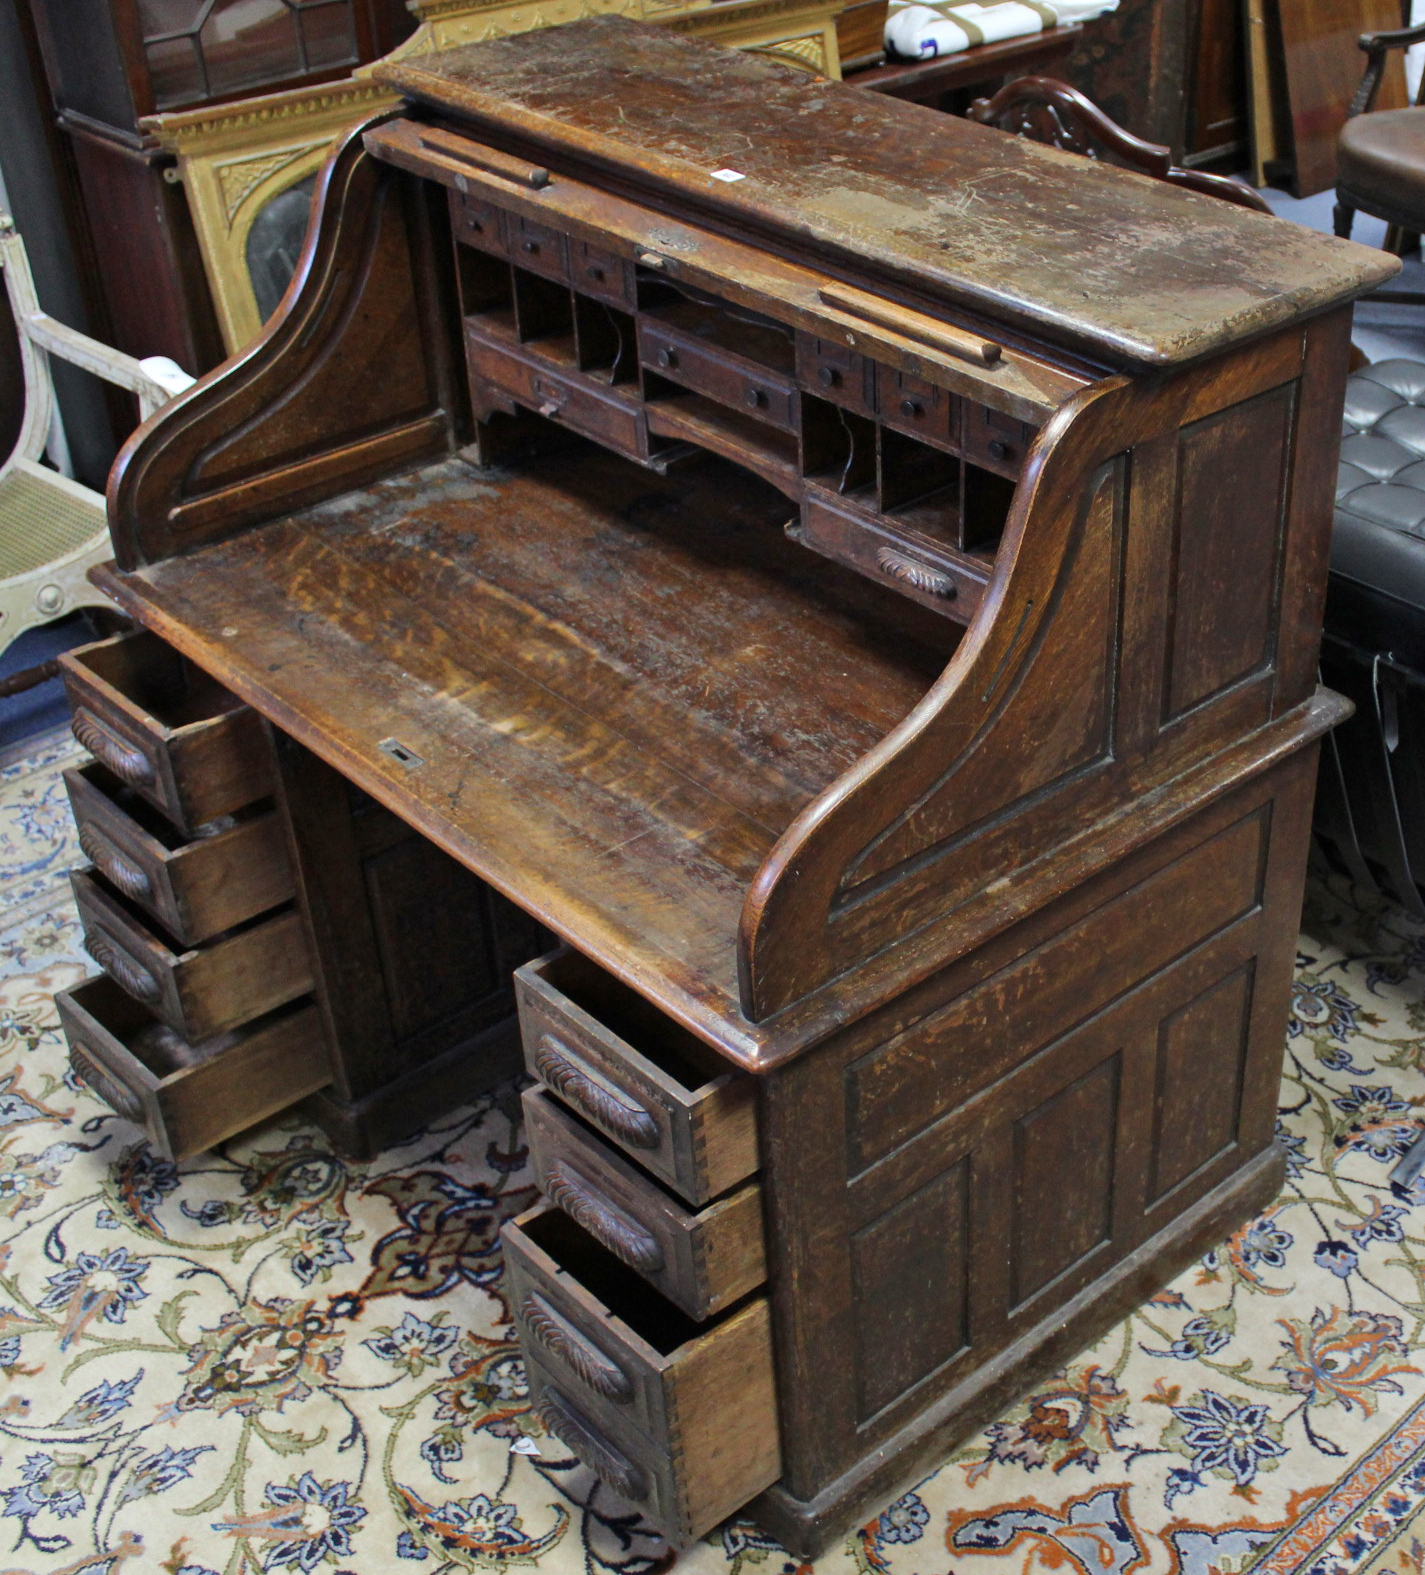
[621, 686]
[1098, 259]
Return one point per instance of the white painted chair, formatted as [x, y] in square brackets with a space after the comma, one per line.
[52, 528]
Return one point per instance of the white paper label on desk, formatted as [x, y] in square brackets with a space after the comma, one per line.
[728, 175]
[524, 1446]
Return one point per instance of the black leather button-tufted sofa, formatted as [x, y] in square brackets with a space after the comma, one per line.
[1370, 807]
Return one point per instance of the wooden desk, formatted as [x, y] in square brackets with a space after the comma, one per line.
[867, 611]
[950, 82]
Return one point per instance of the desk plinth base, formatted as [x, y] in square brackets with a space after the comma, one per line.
[360, 1128]
[808, 1528]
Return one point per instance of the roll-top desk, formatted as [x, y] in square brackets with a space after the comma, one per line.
[802, 612]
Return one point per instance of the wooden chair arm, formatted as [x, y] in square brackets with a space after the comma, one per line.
[155, 380]
[1377, 46]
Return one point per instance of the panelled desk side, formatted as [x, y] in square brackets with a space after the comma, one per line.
[940, 752]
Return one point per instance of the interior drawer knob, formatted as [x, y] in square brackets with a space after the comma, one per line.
[629, 1242]
[559, 1337]
[828, 377]
[130, 976]
[999, 449]
[112, 865]
[577, 1433]
[756, 398]
[667, 358]
[912, 409]
[629, 1122]
[127, 763]
[118, 1098]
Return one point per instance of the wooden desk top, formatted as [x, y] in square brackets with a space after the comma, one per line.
[541, 640]
[1112, 264]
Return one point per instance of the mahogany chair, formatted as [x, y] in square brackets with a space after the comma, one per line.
[1380, 156]
[1046, 110]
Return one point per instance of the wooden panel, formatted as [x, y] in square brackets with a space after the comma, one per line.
[1323, 71]
[432, 931]
[1201, 1053]
[910, 1270]
[1232, 467]
[1063, 1179]
[901, 1086]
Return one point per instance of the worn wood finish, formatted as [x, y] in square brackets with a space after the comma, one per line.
[187, 1097]
[1090, 261]
[200, 991]
[702, 1260]
[165, 729]
[194, 889]
[805, 820]
[690, 1408]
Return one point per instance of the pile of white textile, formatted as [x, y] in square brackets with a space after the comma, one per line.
[917, 30]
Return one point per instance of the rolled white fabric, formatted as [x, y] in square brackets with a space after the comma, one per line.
[922, 29]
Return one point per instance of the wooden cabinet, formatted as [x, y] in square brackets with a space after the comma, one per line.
[109, 64]
[834, 613]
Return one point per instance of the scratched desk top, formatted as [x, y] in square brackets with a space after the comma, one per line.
[1103, 261]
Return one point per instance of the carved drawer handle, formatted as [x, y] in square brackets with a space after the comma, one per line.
[629, 1242]
[107, 859]
[559, 1337]
[129, 975]
[627, 1121]
[120, 1100]
[918, 574]
[124, 760]
[589, 1445]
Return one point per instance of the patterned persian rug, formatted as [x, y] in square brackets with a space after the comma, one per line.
[267, 1359]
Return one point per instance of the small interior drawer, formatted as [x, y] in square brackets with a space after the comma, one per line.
[479, 223]
[702, 1260]
[538, 247]
[833, 371]
[195, 889]
[903, 562]
[995, 441]
[691, 1408]
[166, 729]
[910, 404]
[196, 991]
[645, 1083]
[602, 274]
[598, 414]
[744, 363]
[189, 1096]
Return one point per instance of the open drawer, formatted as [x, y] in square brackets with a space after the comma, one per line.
[185, 1096]
[701, 1259]
[644, 1082]
[196, 991]
[194, 889]
[166, 729]
[679, 1418]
